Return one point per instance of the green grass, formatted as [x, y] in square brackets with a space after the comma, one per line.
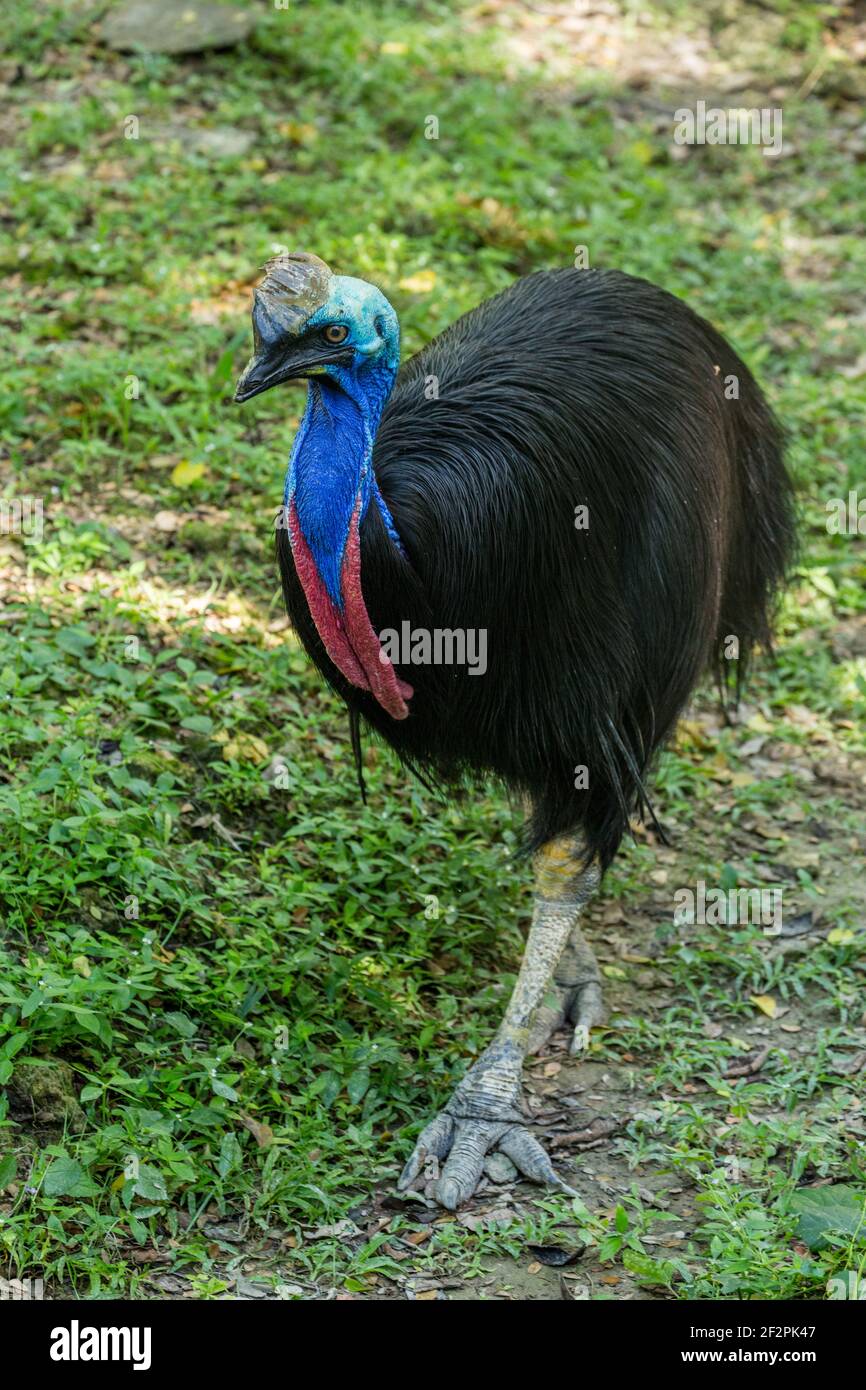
[259, 985]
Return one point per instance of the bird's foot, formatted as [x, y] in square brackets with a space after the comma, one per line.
[581, 1006]
[483, 1114]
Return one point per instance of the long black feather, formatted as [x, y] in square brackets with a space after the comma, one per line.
[571, 388]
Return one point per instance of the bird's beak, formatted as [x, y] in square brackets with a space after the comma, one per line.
[281, 352]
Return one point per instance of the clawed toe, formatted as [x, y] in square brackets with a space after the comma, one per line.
[434, 1141]
[466, 1143]
[580, 1005]
[531, 1159]
[586, 1012]
[551, 1015]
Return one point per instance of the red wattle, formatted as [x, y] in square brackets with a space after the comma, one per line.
[349, 639]
[391, 693]
[329, 624]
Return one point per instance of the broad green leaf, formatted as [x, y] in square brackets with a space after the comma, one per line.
[221, 1089]
[197, 723]
[358, 1084]
[67, 1178]
[230, 1155]
[837, 1208]
[181, 1024]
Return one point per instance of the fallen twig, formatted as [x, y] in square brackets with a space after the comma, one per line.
[586, 1138]
[750, 1065]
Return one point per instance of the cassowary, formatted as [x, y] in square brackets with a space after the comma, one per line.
[580, 469]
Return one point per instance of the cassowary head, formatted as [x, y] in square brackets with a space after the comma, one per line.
[343, 335]
[308, 322]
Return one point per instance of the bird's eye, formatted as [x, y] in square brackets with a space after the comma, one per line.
[380, 327]
[336, 333]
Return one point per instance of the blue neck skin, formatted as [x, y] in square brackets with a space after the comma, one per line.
[331, 461]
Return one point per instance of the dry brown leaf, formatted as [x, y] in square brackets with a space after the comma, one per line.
[262, 1133]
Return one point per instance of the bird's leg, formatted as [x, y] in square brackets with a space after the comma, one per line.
[484, 1112]
[574, 996]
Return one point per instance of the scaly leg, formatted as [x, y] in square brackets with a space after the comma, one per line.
[484, 1112]
[574, 996]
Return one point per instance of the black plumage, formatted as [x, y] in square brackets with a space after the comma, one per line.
[569, 389]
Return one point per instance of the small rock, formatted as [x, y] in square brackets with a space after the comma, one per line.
[339, 1230]
[478, 1221]
[43, 1093]
[249, 1289]
[221, 141]
[163, 26]
[499, 1168]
